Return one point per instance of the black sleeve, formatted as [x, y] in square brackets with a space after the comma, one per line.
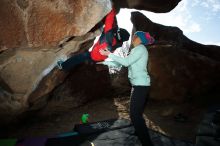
[109, 39]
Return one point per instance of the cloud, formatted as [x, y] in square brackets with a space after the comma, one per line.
[211, 5]
[195, 3]
[195, 27]
[180, 17]
[189, 16]
[205, 5]
[214, 4]
[216, 8]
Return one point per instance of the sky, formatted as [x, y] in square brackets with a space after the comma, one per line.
[198, 19]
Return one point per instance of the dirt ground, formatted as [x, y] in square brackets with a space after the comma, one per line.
[159, 117]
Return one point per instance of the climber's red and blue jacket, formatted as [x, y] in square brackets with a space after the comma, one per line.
[108, 38]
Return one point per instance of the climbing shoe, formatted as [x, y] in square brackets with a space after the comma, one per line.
[59, 64]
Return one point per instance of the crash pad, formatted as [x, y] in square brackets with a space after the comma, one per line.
[8, 142]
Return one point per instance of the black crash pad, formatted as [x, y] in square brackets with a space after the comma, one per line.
[117, 132]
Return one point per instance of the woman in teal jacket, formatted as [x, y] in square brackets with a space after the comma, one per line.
[138, 75]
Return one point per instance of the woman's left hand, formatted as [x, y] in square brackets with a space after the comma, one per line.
[104, 52]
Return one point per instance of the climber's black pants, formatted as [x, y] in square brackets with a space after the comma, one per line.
[139, 97]
[75, 60]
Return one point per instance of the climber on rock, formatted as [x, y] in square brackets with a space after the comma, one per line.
[111, 38]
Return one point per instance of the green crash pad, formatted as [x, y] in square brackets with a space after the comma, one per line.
[8, 142]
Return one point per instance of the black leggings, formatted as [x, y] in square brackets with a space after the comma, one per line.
[139, 97]
[75, 60]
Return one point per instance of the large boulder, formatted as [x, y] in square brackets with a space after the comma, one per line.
[31, 23]
[157, 6]
[180, 69]
[44, 23]
[27, 75]
[30, 44]
[173, 34]
[85, 83]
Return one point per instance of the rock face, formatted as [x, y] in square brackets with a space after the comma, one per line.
[157, 6]
[43, 23]
[86, 82]
[30, 38]
[31, 33]
[29, 74]
[180, 68]
[11, 26]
